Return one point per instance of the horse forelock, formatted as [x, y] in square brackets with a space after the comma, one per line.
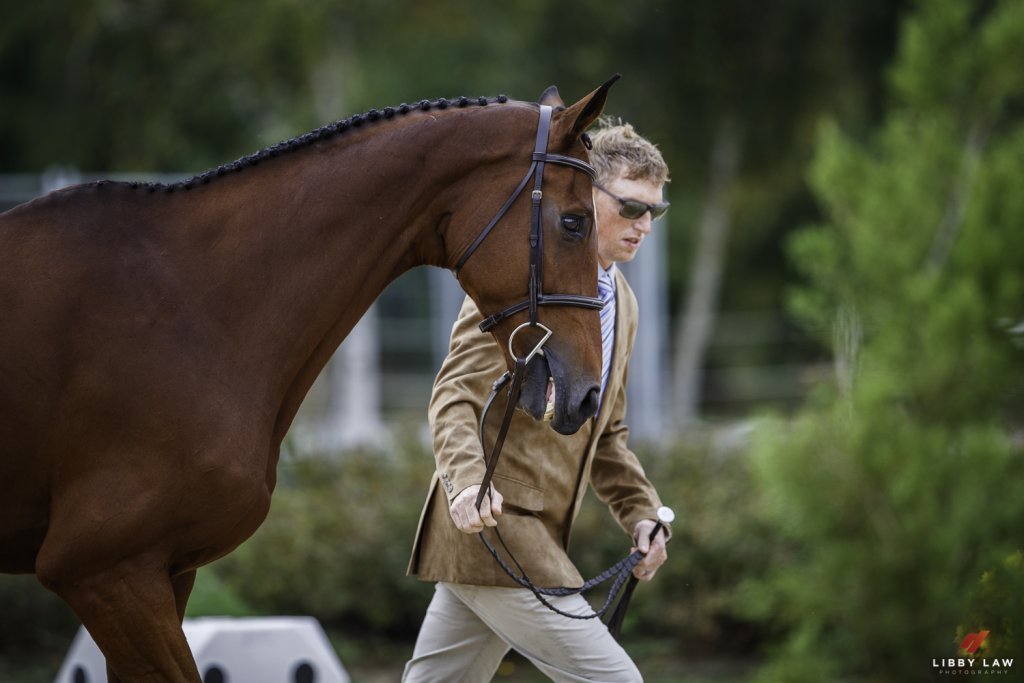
[325, 132]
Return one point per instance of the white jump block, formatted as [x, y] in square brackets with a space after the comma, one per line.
[230, 650]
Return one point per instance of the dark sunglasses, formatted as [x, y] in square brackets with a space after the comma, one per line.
[632, 208]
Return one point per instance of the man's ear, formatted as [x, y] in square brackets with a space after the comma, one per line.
[572, 122]
[551, 97]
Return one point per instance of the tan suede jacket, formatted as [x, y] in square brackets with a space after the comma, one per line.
[541, 474]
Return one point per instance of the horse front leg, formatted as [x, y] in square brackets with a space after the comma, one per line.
[132, 612]
[182, 585]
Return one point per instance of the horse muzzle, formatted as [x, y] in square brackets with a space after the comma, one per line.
[552, 393]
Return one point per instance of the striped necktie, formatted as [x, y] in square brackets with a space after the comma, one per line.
[606, 290]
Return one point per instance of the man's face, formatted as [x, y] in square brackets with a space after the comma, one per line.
[618, 238]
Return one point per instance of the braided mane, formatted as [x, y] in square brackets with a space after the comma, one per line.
[322, 133]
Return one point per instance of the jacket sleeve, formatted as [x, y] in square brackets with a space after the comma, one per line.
[616, 475]
[474, 361]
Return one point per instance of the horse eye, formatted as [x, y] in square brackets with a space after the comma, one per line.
[573, 223]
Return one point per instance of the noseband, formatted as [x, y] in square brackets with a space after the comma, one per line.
[536, 296]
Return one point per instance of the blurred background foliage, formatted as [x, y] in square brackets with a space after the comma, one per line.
[162, 86]
[876, 195]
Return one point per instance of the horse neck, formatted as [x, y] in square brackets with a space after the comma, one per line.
[310, 241]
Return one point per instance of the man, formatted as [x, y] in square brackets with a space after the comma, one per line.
[478, 612]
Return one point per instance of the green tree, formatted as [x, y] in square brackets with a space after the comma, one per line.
[150, 86]
[898, 494]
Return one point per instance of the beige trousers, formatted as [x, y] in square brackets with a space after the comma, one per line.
[469, 629]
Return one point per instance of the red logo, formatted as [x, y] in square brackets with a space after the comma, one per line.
[972, 641]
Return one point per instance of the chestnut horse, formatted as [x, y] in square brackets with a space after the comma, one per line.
[156, 340]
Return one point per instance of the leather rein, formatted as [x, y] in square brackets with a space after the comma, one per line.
[622, 570]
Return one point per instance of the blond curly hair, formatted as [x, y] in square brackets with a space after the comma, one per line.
[619, 149]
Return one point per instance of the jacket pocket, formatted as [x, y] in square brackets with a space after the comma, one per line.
[519, 494]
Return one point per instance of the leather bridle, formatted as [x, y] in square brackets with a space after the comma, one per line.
[536, 296]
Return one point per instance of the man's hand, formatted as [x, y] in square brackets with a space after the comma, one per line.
[465, 515]
[655, 553]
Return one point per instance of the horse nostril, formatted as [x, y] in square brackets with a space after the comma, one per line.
[588, 408]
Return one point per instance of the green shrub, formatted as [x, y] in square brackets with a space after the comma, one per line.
[897, 496]
[340, 530]
[996, 605]
[212, 597]
[885, 527]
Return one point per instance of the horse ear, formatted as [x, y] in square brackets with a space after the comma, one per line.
[575, 120]
[551, 97]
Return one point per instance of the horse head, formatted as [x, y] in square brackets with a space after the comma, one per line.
[541, 247]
